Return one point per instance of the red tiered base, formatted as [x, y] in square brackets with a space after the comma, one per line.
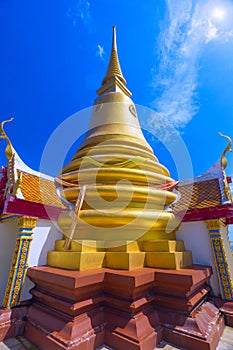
[226, 307]
[12, 322]
[131, 310]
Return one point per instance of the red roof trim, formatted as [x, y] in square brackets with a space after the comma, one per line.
[229, 221]
[222, 211]
[21, 207]
[229, 180]
[3, 181]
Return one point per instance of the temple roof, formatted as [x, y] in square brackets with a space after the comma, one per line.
[205, 195]
[24, 191]
[199, 195]
[34, 196]
[207, 190]
[39, 190]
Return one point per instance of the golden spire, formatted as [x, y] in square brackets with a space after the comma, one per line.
[114, 69]
[114, 79]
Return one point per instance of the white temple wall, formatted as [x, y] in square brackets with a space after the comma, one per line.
[196, 238]
[45, 234]
[44, 237]
[8, 233]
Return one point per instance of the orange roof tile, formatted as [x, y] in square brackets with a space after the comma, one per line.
[39, 190]
[201, 194]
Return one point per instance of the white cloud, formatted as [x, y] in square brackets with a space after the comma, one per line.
[100, 52]
[79, 10]
[188, 26]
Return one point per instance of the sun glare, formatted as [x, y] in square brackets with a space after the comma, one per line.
[218, 13]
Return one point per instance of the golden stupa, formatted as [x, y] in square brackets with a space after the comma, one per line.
[124, 220]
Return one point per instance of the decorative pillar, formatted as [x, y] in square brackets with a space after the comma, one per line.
[20, 261]
[222, 258]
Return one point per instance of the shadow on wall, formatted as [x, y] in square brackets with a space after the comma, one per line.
[45, 234]
[196, 238]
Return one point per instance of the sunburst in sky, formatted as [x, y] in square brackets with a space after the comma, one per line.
[218, 13]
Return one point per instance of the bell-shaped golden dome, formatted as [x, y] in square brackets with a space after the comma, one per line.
[117, 165]
[126, 188]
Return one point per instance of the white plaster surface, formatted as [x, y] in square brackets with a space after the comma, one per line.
[44, 238]
[8, 232]
[45, 234]
[196, 238]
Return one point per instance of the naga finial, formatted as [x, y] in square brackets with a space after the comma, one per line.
[9, 151]
[227, 149]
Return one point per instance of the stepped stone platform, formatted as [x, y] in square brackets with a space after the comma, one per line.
[20, 343]
[134, 310]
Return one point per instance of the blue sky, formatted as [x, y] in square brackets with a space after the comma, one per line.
[175, 55]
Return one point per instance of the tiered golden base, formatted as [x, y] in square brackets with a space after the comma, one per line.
[125, 261]
[126, 255]
[76, 260]
[169, 254]
[168, 260]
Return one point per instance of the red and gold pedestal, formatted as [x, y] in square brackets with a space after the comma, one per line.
[131, 310]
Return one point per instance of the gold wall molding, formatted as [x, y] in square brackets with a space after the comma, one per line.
[220, 258]
[6, 218]
[27, 222]
[215, 224]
